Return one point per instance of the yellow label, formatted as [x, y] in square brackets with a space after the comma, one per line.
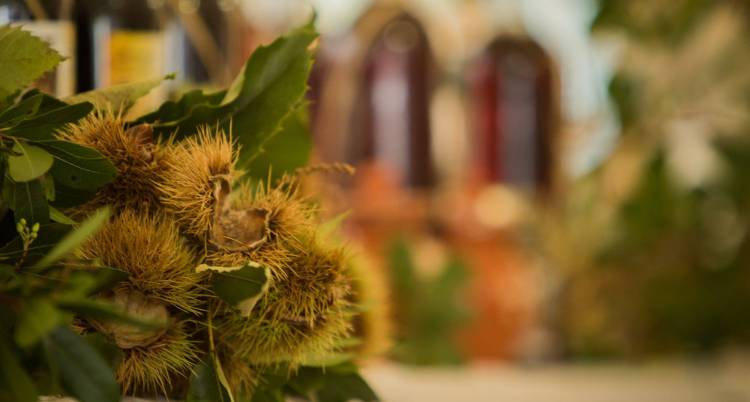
[137, 56]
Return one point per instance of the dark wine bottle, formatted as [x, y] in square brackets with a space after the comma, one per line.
[51, 20]
[123, 42]
[198, 40]
[129, 42]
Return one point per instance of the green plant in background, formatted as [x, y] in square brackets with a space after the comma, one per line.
[428, 312]
[140, 259]
[664, 265]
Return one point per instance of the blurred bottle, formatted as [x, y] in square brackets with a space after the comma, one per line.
[50, 20]
[123, 41]
[201, 41]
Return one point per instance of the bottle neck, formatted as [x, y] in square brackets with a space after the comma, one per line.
[132, 14]
[12, 11]
[28, 10]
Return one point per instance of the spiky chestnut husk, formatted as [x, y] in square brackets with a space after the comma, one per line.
[197, 179]
[372, 325]
[305, 313]
[134, 304]
[151, 250]
[305, 310]
[155, 360]
[156, 368]
[268, 225]
[139, 160]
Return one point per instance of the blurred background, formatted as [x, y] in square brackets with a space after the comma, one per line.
[552, 197]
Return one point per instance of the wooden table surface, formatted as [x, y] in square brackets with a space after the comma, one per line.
[657, 382]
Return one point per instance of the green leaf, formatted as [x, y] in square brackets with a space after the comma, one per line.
[79, 167]
[83, 281]
[334, 384]
[223, 379]
[285, 151]
[48, 102]
[75, 238]
[205, 385]
[269, 88]
[240, 286]
[104, 347]
[60, 217]
[171, 111]
[84, 373]
[20, 111]
[28, 201]
[100, 310]
[15, 384]
[346, 387]
[23, 59]
[307, 382]
[41, 127]
[48, 184]
[67, 197]
[30, 164]
[118, 98]
[106, 278]
[38, 318]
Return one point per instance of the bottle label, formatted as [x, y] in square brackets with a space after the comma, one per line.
[61, 36]
[137, 56]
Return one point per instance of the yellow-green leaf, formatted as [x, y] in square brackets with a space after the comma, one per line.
[30, 163]
[85, 374]
[241, 286]
[15, 382]
[75, 238]
[267, 91]
[23, 59]
[38, 318]
[79, 167]
[59, 217]
[27, 200]
[206, 384]
[118, 98]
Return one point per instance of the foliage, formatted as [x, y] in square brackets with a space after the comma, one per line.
[338, 383]
[39, 353]
[285, 152]
[648, 21]
[24, 58]
[429, 312]
[39, 302]
[664, 264]
[256, 106]
[66, 314]
[121, 97]
[224, 283]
